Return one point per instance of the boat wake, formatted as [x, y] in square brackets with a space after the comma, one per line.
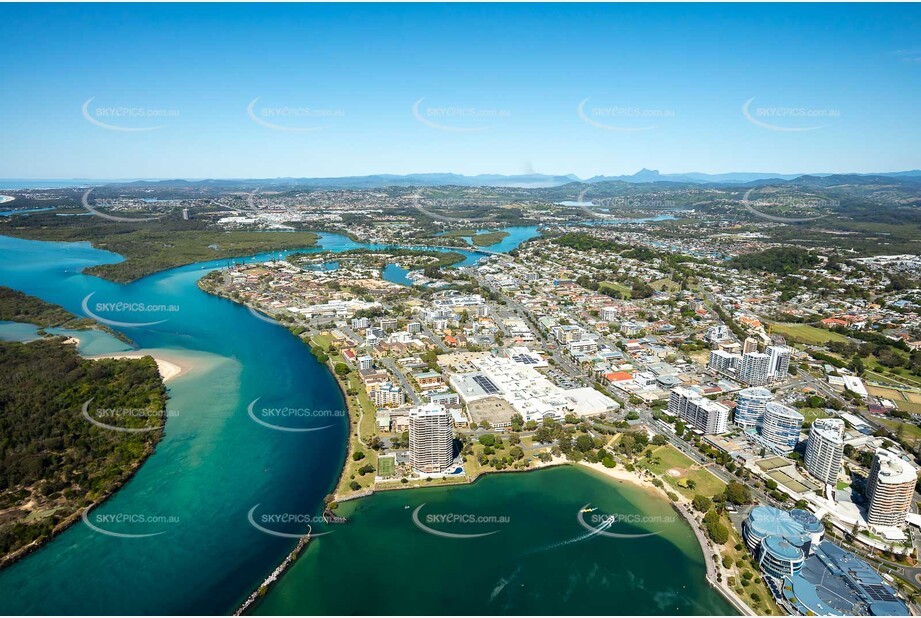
[607, 523]
[500, 586]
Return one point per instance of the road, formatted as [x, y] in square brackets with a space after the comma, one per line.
[391, 365]
[442, 348]
[559, 358]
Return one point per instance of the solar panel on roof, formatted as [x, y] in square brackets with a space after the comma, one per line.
[486, 384]
[879, 592]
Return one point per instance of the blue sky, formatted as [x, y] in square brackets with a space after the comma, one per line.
[230, 91]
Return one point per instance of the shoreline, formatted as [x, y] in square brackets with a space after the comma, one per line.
[169, 366]
[681, 505]
[617, 474]
[26, 550]
[553, 463]
[350, 414]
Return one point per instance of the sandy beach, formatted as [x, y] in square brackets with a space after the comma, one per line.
[6, 198]
[170, 366]
[621, 474]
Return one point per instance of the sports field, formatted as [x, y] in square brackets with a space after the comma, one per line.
[772, 463]
[787, 481]
[906, 400]
[676, 469]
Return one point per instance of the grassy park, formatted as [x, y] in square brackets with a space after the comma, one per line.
[677, 470]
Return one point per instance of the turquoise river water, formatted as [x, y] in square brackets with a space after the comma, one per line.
[188, 543]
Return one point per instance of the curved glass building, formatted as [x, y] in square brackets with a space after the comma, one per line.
[781, 427]
[750, 404]
[781, 540]
[816, 578]
[799, 527]
[825, 449]
[780, 557]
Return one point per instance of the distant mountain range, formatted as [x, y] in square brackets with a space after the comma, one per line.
[523, 181]
[534, 181]
[647, 175]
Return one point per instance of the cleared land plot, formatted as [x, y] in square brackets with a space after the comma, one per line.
[623, 290]
[804, 333]
[494, 410]
[885, 392]
[909, 430]
[914, 408]
[904, 400]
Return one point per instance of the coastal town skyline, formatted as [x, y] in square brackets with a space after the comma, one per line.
[460, 309]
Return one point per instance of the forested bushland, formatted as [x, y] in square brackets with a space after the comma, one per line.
[53, 461]
[18, 307]
[777, 260]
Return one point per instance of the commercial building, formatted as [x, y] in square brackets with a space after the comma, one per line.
[459, 301]
[781, 427]
[750, 345]
[755, 369]
[529, 393]
[890, 487]
[750, 404]
[847, 382]
[825, 449]
[568, 333]
[781, 540]
[706, 415]
[779, 362]
[584, 346]
[835, 582]
[431, 439]
[724, 362]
